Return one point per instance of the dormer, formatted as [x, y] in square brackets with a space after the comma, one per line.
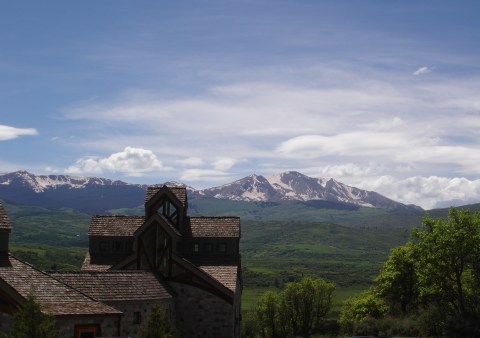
[168, 202]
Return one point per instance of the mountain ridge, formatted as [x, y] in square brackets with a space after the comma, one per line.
[94, 194]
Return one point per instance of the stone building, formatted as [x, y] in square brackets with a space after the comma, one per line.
[188, 265]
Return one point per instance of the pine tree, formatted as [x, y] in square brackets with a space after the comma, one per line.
[29, 321]
[157, 325]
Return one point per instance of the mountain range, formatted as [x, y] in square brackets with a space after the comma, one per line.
[96, 195]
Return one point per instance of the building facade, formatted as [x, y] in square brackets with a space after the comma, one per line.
[190, 266]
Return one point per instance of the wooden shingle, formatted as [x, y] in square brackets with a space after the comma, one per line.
[55, 297]
[115, 225]
[4, 221]
[222, 269]
[127, 285]
[179, 192]
[220, 227]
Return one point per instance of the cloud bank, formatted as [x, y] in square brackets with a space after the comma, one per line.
[10, 133]
[130, 161]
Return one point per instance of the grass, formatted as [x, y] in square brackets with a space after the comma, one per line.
[250, 296]
[274, 253]
[46, 257]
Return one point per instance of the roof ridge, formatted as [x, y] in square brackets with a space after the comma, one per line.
[214, 217]
[61, 282]
[130, 216]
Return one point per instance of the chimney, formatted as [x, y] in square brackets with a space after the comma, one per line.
[5, 228]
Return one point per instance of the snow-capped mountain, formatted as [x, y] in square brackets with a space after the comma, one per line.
[294, 186]
[96, 195]
[42, 183]
[87, 194]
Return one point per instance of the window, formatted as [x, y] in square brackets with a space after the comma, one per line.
[221, 247]
[195, 247]
[169, 210]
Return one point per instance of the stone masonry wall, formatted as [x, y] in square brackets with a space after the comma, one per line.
[200, 314]
[128, 326]
[66, 325]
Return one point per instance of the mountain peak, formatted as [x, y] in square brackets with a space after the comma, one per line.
[286, 186]
[295, 186]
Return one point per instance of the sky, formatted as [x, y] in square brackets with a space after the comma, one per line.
[380, 95]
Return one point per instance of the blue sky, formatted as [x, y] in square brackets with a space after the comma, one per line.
[382, 95]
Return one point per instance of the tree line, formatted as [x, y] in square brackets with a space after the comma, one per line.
[428, 287]
[300, 309]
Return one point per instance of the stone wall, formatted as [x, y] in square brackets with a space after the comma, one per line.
[200, 314]
[67, 324]
[135, 314]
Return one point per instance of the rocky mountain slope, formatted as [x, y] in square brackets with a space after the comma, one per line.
[95, 195]
[294, 186]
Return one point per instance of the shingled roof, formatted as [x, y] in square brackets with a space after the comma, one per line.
[55, 297]
[224, 270]
[4, 221]
[114, 225]
[220, 227]
[116, 285]
[179, 192]
[97, 266]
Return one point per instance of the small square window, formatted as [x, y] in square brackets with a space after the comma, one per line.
[222, 247]
[195, 247]
[208, 247]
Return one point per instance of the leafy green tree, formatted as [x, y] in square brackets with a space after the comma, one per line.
[432, 281]
[306, 303]
[298, 310]
[356, 311]
[157, 325]
[397, 283]
[449, 270]
[29, 321]
[268, 312]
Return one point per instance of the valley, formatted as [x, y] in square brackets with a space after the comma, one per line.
[283, 239]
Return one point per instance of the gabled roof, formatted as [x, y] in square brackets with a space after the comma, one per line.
[55, 297]
[219, 284]
[222, 269]
[4, 221]
[220, 227]
[179, 192]
[114, 225]
[116, 285]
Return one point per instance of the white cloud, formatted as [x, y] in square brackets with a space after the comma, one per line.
[192, 175]
[10, 133]
[427, 192]
[223, 164]
[346, 172]
[422, 71]
[131, 161]
[354, 125]
[190, 162]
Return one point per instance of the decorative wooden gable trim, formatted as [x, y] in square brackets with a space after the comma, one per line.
[154, 245]
[165, 192]
[185, 272]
